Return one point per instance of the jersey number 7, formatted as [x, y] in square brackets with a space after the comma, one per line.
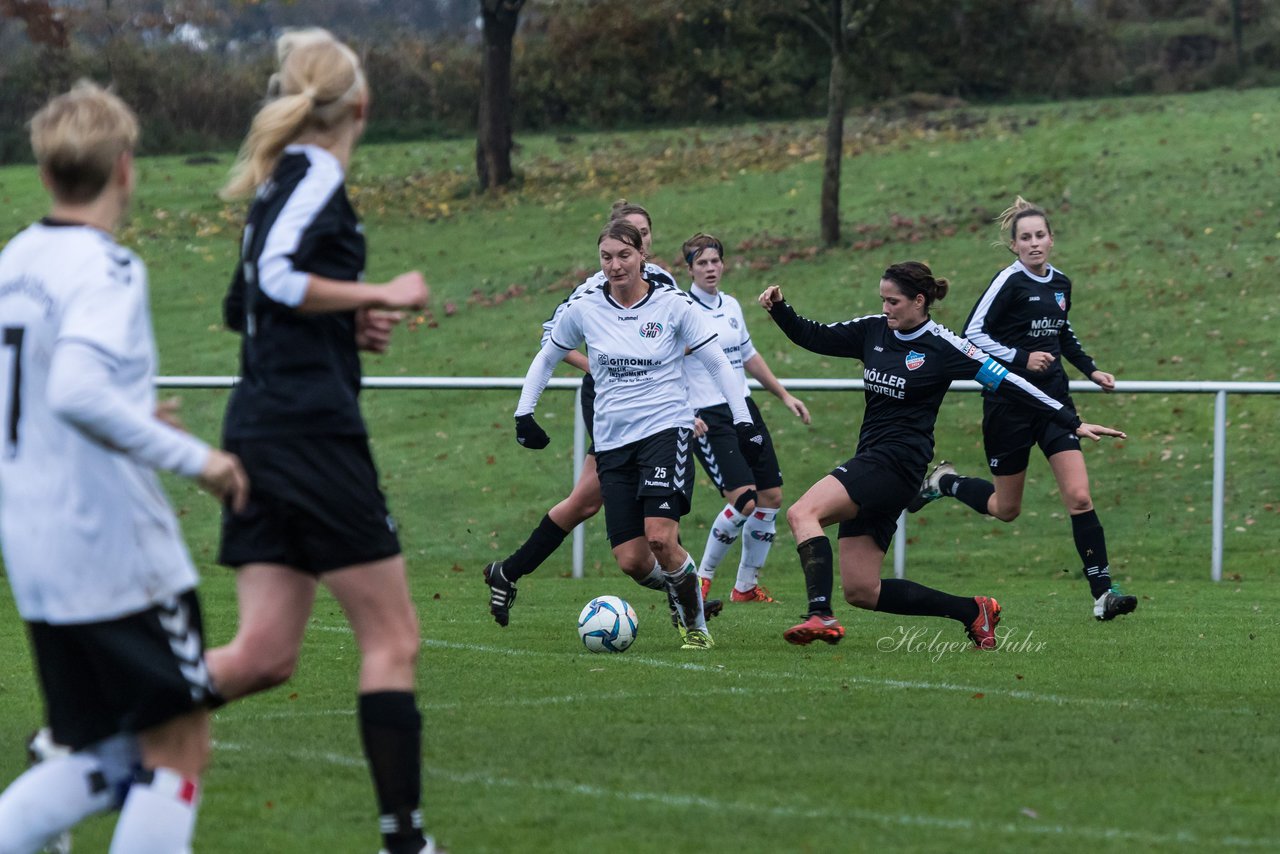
[13, 338]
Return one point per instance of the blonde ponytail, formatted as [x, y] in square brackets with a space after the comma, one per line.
[1008, 219]
[318, 86]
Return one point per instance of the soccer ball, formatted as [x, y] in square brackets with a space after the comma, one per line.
[607, 624]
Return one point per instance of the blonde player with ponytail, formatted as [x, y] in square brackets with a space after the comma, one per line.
[317, 515]
[1021, 319]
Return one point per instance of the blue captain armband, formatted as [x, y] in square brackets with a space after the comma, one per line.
[991, 374]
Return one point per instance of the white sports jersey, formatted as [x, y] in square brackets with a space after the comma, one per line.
[724, 315]
[637, 357]
[86, 530]
[652, 273]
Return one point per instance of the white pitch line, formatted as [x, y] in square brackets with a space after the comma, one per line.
[1012, 693]
[229, 714]
[666, 799]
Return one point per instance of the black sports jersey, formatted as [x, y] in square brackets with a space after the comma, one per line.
[300, 373]
[1021, 313]
[907, 374]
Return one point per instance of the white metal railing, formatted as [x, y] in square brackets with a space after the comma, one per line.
[1219, 390]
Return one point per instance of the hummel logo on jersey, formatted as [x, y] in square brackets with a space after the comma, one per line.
[652, 329]
[628, 317]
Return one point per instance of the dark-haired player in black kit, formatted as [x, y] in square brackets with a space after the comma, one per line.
[1021, 319]
[909, 363]
[316, 514]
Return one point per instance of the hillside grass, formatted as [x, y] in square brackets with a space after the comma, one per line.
[1153, 732]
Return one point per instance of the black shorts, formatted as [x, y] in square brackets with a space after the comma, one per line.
[122, 676]
[651, 477]
[1009, 431]
[721, 457]
[589, 407]
[314, 505]
[881, 494]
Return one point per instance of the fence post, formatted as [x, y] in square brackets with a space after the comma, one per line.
[1219, 479]
[579, 460]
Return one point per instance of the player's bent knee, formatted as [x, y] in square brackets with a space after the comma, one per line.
[798, 516]
[390, 659]
[862, 596]
[263, 672]
[660, 548]
[1007, 514]
[637, 570]
[1078, 503]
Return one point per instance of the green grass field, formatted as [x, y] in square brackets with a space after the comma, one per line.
[1155, 732]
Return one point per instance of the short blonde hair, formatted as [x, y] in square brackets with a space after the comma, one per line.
[77, 139]
[318, 86]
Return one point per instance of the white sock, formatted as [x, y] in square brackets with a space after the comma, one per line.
[655, 580]
[757, 539]
[159, 817]
[724, 531]
[49, 798]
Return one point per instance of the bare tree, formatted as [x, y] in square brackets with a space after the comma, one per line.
[493, 130]
[841, 24]
[1237, 32]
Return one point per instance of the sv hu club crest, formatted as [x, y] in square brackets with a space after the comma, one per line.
[652, 329]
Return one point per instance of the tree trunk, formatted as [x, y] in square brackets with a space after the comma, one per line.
[830, 210]
[493, 130]
[1237, 32]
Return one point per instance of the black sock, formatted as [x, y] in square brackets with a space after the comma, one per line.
[816, 560]
[1091, 545]
[973, 491]
[682, 589]
[900, 596]
[544, 540]
[391, 729]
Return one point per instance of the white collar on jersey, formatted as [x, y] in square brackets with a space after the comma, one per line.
[1049, 270]
[700, 296]
[608, 295]
[927, 326]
